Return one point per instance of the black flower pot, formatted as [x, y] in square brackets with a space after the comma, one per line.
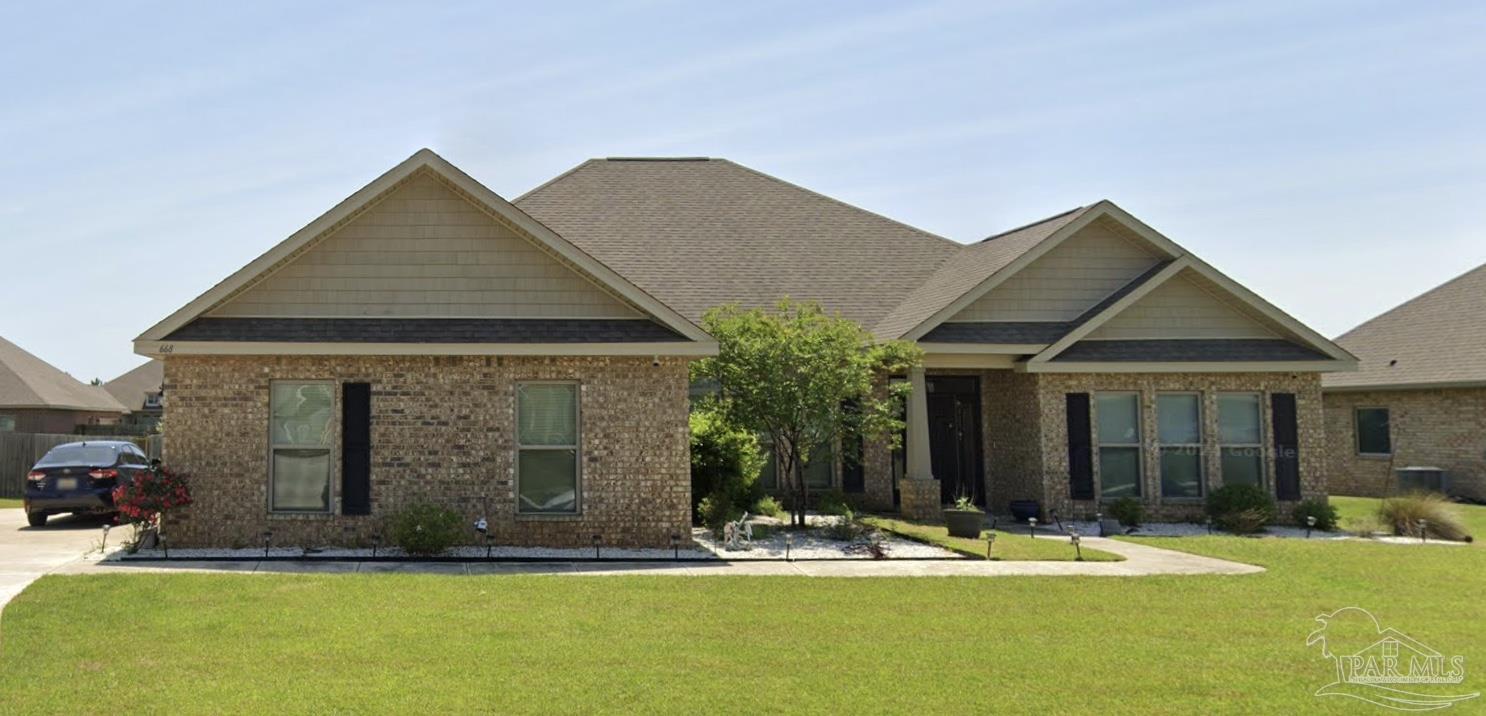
[964, 523]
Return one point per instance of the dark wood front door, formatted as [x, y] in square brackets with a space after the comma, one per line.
[954, 436]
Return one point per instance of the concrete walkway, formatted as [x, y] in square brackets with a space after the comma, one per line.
[28, 552]
[1140, 560]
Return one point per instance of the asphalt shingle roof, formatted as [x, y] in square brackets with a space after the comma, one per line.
[697, 233]
[133, 387]
[30, 382]
[1437, 338]
[1189, 351]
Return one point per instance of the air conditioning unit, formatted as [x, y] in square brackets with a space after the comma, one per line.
[1416, 478]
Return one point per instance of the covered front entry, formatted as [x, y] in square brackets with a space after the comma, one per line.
[954, 436]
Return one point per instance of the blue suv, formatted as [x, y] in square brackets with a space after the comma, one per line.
[80, 477]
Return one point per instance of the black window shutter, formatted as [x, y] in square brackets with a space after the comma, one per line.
[356, 449]
[1080, 448]
[1286, 447]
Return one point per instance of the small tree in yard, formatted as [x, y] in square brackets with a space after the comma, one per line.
[805, 379]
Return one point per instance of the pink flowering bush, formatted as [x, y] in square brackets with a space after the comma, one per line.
[142, 501]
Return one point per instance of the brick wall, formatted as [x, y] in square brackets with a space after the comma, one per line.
[442, 433]
[1434, 428]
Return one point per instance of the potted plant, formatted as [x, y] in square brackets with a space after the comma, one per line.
[964, 519]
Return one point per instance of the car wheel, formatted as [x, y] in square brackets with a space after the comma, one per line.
[36, 519]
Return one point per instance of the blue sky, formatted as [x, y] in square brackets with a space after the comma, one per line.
[1329, 155]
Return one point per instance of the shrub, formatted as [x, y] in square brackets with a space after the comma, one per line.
[845, 527]
[716, 510]
[1442, 520]
[426, 529]
[1128, 511]
[725, 463]
[1240, 509]
[834, 502]
[769, 506]
[151, 493]
[965, 504]
[1325, 514]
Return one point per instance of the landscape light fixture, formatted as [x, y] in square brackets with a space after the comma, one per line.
[1423, 535]
[1310, 524]
[1031, 526]
[376, 542]
[596, 540]
[1078, 551]
[676, 547]
[163, 545]
[789, 543]
[267, 539]
[103, 546]
[1208, 522]
[1099, 520]
[489, 543]
[990, 540]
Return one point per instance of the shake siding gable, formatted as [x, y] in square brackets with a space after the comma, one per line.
[1061, 285]
[425, 252]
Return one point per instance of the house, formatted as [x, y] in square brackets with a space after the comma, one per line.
[1418, 398]
[429, 341]
[141, 390]
[36, 397]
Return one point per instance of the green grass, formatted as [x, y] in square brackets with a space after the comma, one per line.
[233, 643]
[9, 503]
[1009, 546]
[1352, 508]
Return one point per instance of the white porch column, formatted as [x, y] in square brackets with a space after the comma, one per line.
[919, 466]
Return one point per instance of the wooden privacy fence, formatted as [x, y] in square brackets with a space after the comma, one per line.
[19, 451]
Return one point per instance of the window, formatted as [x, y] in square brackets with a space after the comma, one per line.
[299, 428]
[547, 448]
[7, 423]
[1241, 434]
[154, 400]
[821, 469]
[768, 478]
[1372, 432]
[1179, 430]
[1118, 433]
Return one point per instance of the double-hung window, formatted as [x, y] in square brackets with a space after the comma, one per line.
[547, 448]
[1118, 434]
[1372, 432]
[7, 423]
[1179, 430]
[299, 429]
[1241, 432]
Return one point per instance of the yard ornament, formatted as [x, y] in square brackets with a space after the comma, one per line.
[738, 535]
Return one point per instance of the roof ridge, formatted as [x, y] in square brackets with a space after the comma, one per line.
[1408, 302]
[572, 170]
[833, 200]
[1029, 225]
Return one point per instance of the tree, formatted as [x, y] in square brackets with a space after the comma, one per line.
[805, 380]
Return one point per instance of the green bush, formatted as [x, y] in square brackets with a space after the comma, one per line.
[1128, 511]
[716, 510]
[833, 502]
[725, 464]
[426, 529]
[1325, 514]
[1240, 509]
[1441, 518]
[770, 507]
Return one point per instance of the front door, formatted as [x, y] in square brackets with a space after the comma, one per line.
[954, 436]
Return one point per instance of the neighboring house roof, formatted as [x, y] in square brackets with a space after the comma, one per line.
[1435, 339]
[135, 386]
[30, 382]
[698, 233]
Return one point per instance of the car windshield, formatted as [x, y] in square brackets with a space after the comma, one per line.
[78, 455]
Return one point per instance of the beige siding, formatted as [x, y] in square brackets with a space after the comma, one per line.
[1066, 281]
[426, 252]
[1181, 308]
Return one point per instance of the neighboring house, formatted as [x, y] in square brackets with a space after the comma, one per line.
[428, 341]
[36, 397]
[142, 391]
[1418, 399]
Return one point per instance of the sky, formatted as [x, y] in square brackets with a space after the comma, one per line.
[1328, 155]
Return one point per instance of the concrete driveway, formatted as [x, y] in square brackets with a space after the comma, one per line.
[28, 552]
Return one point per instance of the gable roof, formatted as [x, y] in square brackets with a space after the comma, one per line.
[421, 161]
[1435, 339]
[133, 387]
[30, 382]
[699, 233]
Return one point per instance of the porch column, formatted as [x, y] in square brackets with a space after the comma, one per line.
[919, 466]
[919, 494]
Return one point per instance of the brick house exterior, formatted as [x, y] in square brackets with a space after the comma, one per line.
[427, 341]
[1421, 380]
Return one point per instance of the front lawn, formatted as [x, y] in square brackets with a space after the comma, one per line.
[1354, 508]
[395, 643]
[10, 503]
[1010, 546]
